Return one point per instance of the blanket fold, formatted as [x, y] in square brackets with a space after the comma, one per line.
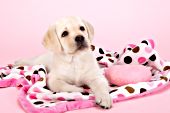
[35, 97]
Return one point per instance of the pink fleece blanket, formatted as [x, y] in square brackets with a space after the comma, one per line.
[35, 97]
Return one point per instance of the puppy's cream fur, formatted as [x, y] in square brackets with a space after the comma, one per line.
[69, 66]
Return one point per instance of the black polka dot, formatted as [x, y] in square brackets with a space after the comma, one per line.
[145, 64]
[84, 93]
[113, 85]
[54, 92]
[101, 51]
[142, 90]
[45, 87]
[3, 75]
[152, 58]
[127, 59]
[71, 100]
[129, 49]
[144, 41]
[113, 91]
[38, 102]
[41, 69]
[35, 72]
[117, 56]
[99, 58]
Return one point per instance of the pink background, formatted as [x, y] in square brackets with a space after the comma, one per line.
[116, 22]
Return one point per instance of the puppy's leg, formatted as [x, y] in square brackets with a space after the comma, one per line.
[100, 88]
[57, 85]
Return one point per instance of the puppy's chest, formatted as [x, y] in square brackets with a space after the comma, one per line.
[75, 71]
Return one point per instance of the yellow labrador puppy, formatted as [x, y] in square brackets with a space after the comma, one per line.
[70, 60]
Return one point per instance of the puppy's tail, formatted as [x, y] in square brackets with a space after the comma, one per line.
[22, 62]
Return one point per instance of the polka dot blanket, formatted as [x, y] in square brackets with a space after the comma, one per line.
[35, 97]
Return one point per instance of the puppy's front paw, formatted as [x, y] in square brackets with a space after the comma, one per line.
[104, 101]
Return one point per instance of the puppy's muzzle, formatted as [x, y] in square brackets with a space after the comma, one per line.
[80, 41]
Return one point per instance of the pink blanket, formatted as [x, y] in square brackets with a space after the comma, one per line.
[35, 97]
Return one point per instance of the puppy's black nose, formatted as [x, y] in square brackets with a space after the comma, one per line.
[79, 39]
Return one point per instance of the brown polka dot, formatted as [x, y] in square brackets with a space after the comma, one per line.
[52, 102]
[41, 79]
[10, 66]
[28, 77]
[108, 55]
[136, 49]
[129, 89]
[166, 68]
[85, 87]
[92, 47]
[164, 78]
[112, 61]
[21, 68]
[19, 85]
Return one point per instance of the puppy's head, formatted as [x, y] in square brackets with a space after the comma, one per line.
[70, 35]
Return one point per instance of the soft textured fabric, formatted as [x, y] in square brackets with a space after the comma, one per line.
[128, 74]
[35, 97]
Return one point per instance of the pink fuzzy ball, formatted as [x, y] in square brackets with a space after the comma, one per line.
[128, 74]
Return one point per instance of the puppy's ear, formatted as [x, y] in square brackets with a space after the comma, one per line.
[51, 40]
[90, 29]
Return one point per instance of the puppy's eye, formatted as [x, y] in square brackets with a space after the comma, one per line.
[64, 34]
[82, 28]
